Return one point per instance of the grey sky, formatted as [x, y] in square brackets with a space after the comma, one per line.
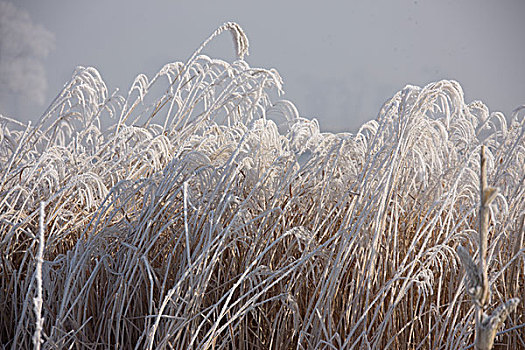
[340, 60]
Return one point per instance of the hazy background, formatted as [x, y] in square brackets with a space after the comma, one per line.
[339, 60]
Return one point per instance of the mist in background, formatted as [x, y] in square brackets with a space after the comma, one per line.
[23, 47]
[340, 61]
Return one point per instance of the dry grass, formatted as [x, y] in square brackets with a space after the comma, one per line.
[210, 217]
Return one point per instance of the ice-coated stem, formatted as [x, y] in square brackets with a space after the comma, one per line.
[37, 336]
[478, 283]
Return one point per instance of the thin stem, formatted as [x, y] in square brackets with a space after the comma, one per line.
[37, 337]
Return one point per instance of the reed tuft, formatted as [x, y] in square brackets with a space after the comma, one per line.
[211, 216]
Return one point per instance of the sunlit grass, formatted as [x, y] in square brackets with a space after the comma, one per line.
[210, 215]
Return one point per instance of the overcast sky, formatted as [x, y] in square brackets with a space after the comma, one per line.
[340, 60]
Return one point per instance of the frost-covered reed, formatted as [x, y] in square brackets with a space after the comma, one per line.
[210, 215]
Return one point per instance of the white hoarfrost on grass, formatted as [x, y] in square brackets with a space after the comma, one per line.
[210, 216]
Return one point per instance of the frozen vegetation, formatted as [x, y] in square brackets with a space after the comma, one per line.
[211, 216]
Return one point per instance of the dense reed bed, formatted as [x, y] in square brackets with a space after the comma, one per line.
[210, 215]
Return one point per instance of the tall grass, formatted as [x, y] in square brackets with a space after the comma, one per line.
[211, 216]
